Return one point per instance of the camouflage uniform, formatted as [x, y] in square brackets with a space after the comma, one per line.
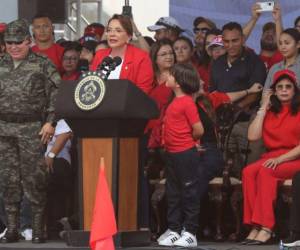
[27, 94]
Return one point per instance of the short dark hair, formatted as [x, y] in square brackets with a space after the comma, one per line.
[233, 26]
[201, 19]
[41, 15]
[296, 21]
[72, 45]
[186, 76]
[268, 26]
[187, 40]
[124, 21]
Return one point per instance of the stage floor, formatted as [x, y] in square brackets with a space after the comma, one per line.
[52, 245]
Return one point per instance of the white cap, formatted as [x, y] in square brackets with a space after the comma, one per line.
[164, 23]
[217, 41]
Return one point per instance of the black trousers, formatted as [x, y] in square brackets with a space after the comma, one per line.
[182, 190]
[295, 210]
[59, 192]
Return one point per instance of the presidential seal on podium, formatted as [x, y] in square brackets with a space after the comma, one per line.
[89, 91]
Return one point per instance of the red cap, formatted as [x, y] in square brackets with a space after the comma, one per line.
[93, 30]
[2, 27]
[287, 73]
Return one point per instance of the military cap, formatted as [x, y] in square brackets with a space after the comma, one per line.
[17, 31]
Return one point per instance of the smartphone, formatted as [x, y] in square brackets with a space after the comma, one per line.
[266, 6]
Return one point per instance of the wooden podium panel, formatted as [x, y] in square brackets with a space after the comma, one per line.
[121, 169]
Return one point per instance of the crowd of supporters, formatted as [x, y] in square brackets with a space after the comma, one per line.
[189, 80]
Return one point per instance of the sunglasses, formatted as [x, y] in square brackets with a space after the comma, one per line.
[202, 30]
[14, 42]
[284, 86]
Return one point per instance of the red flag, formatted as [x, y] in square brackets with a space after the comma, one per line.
[104, 223]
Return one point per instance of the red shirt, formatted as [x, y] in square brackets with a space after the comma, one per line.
[281, 132]
[271, 60]
[204, 73]
[72, 77]
[136, 67]
[179, 118]
[218, 98]
[54, 53]
[161, 95]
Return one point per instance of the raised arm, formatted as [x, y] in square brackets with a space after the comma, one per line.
[255, 88]
[278, 20]
[255, 14]
[255, 128]
[140, 41]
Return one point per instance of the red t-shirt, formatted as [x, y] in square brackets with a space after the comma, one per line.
[72, 77]
[54, 53]
[281, 132]
[180, 115]
[271, 60]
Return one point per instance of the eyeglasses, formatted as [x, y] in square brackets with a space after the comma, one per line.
[70, 58]
[109, 30]
[14, 42]
[166, 54]
[284, 86]
[201, 30]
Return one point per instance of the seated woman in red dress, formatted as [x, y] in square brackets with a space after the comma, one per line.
[277, 123]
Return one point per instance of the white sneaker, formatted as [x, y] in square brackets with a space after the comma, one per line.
[3, 233]
[186, 240]
[27, 234]
[169, 239]
[164, 235]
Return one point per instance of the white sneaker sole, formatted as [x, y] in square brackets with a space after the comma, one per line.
[293, 244]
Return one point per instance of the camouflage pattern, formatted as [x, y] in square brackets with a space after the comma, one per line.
[17, 31]
[29, 89]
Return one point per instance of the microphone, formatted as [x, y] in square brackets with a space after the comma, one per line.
[106, 62]
[83, 65]
[116, 61]
[108, 65]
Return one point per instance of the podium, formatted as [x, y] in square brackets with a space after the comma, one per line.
[112, 131]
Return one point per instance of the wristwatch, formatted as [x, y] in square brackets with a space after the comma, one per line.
[51, 155]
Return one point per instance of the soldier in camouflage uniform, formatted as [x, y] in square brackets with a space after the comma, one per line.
[28, 88]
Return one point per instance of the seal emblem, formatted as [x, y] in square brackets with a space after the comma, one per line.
[89, 91]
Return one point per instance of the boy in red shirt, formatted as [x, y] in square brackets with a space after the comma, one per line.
[182, 127]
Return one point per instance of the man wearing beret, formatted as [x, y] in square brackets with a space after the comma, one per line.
[28, 88]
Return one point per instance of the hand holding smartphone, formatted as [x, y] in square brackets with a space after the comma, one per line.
[266, 6]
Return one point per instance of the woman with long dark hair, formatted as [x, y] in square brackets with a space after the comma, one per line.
[163, 58]
[277, 123]
[206, 58]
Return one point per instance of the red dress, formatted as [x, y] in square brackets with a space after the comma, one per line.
[281, 133]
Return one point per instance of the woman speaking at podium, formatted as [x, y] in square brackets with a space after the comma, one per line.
[136, 64]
